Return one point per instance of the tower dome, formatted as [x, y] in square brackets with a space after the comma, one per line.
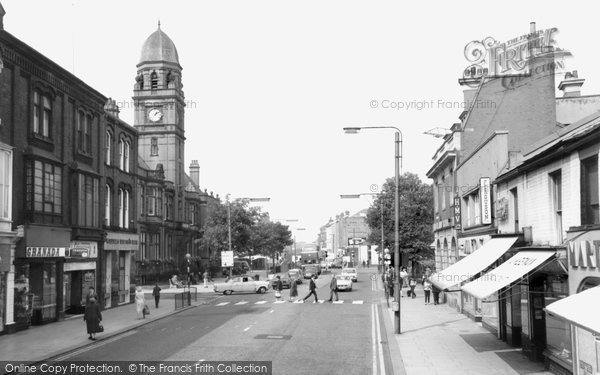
[159, 48]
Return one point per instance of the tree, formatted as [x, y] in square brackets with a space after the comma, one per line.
[416, 217]
[269, 238]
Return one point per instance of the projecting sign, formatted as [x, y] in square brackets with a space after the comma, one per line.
[226, 258]
[44, 252]
[457, 222]
[485, 197]
[356, 241]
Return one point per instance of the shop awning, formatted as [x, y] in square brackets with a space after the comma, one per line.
[580, 309]
[471, 265]
[507, 273]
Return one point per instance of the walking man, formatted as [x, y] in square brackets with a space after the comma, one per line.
[333, 288]
[205, 276]
[312, 289]
[156, 294]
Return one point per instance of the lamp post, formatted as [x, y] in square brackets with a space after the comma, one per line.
[398, 166]
[229, 220]
[356, 196]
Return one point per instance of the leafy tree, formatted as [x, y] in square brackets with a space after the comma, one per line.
[416, 217]
[269, 238]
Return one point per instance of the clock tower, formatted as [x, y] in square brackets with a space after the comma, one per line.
[159, 107]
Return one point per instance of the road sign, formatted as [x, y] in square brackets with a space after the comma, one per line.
[226, 258]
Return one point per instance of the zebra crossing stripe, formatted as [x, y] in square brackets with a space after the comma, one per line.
[279, 302]
[359, 302]
[260, 302]
[222, 304]
[242, 303]
[338, 302]
[298, 301]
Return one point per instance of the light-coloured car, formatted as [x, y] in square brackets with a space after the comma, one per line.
[344, 282]
[352, 272]
[241, 284]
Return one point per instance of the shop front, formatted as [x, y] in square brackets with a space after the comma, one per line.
[79, 275]
[119, 249]
[574, 347]
[39, 261]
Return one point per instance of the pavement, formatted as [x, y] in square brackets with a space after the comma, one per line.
[436, 339]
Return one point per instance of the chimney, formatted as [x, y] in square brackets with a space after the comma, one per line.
[571, 85]
[111, 108]
[2, 13]
[195, 172]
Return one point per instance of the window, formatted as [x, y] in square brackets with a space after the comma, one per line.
[122, 263]
[153, 201]
[556, 196]
[443, 192]
[193, 214]
[589, 191]
[84, 132]
[107, 205]
[108, 148]
[43, 187]
[5, 183]
[143, 254]
[123, 208]
[169, 207]
[124, 155]
[42, 114]
[153, 81]
[154, 146]
[88, 207]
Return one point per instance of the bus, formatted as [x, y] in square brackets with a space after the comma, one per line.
[311, 269]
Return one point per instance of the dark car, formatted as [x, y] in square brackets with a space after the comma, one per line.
[286, 281]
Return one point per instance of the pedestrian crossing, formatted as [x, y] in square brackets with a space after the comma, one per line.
[263, 302]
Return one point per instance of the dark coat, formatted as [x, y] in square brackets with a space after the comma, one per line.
[312, 286]
[156, 291]
[294, 289]
[279, 285]
[333, 283]
[92, 317]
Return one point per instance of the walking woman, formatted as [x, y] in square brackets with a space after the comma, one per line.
[293, 289]
[92, 318]
[278, 286]
[140, 302]
[427, 289]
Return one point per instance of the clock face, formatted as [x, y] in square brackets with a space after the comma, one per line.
[155, 115]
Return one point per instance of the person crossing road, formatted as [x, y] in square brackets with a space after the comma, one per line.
[312, 287]
[333, 288]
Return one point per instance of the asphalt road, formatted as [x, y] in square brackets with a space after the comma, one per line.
[300, 338]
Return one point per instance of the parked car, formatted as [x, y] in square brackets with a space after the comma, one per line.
[352, 272]
[241, 284]
[296, 274]
[286, 281]
[344, 282]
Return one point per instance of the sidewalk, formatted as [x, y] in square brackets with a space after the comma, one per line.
[39, 343]
[436, 339]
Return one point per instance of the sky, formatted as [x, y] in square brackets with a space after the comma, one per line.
[270, 84]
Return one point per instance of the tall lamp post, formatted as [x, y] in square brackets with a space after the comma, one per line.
[229, 220]
[398, 165]
[356, 196]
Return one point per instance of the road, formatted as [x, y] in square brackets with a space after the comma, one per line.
[299, 338]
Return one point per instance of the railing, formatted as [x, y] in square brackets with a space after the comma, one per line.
[185, 298]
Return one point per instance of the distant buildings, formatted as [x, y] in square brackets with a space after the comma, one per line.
[346, 236]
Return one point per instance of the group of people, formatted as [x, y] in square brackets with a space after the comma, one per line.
[312, 289]
[388, 278]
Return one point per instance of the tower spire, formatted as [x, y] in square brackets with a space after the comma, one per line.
[159, 23]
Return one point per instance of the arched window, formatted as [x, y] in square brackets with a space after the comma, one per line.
[124, 147]
[153, 81]
[107, 205]
[108, 147]
[42, 114]
[123, 208]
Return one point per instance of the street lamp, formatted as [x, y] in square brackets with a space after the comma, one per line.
[398, 166]
[229, 220]
[356, 196]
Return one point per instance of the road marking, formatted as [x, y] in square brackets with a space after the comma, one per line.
[260, 302]
[379, 344]
[338, 302]
[242, 303]
[94, 346]
[274, 337]
[321, 301]
[247, 328]
[222, 304]
[277, 302]
[272, 311]
[373, 340]
[359, 302]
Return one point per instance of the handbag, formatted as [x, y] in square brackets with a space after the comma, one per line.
[100, 327]
[277, 294]
[146, 310]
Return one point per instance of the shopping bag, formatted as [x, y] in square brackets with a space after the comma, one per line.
[146, 310]
[278, 294]
[100, 327]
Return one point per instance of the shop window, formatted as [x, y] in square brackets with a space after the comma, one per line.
[43, 187]
[558, 339]
[589, 191]
[88, 201]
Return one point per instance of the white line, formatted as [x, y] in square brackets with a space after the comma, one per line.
[260, 302]
[222, 304]
[247, 328]
[338, 302]
[202, 360]
[277, 302]
[272, 311]
[373, 338]
[379, 345]
[241, 303]
[358, 302]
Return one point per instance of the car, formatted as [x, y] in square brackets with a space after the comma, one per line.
[286, 281]
[344, 282]
[241, 284]
[352, 272]
[310, 270]
[296, 274]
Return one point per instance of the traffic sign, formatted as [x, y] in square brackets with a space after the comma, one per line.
[226, 258]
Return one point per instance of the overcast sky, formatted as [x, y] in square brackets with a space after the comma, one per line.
[270, 84]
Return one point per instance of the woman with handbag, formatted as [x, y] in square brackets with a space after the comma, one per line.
[140, 303]
[278, 288]
[92, 318]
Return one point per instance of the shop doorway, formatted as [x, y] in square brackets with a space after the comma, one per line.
[537, 289]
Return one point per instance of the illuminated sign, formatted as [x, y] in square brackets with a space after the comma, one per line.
[485, 198]
[44, 252]
[584, 254]
[457, 222]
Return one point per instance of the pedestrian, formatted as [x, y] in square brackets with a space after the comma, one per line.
[293, 289]
[278, 286]
[436, 295]
[364, 264]
[92, 318]
[91, 294]
[427, 290]
[333, 289]
[205, 276]
[412, 284]
[156, 294]
[312, 289]
[140, 303]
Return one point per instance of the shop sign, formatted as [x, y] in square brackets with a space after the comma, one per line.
[44, 252]
[121, 241]
[80, 249]
[486, 200]
[584, 254]
[457, 221]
